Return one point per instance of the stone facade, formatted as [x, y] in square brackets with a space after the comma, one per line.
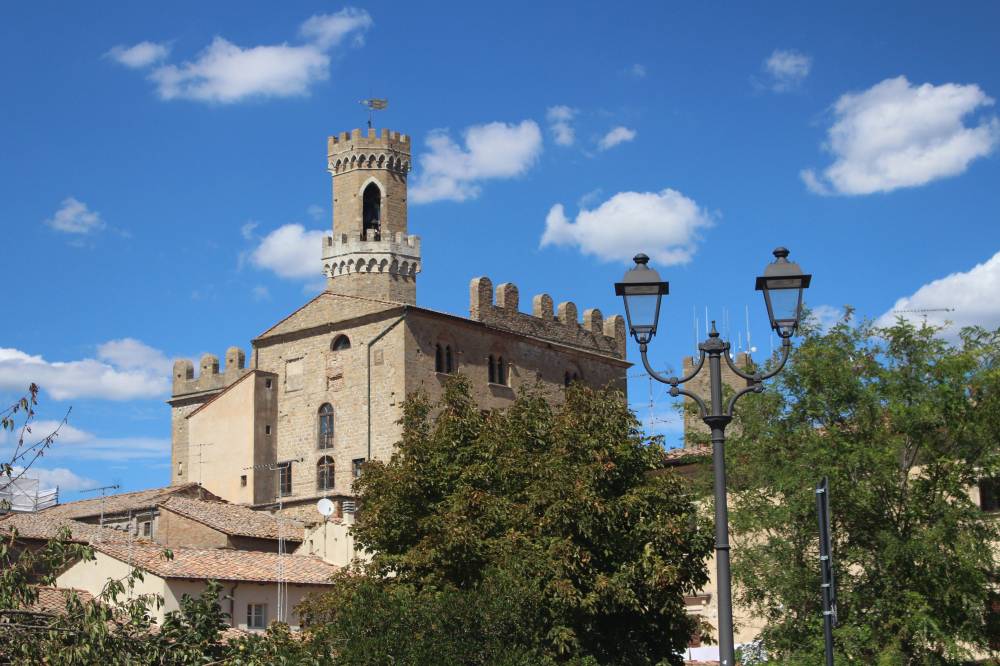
[337, 370]
[700, 386]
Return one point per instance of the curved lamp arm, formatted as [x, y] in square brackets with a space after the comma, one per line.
[756, 388]
[786, 348]
[673, 381]
[674, 391]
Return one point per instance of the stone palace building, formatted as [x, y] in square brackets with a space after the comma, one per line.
[323, 388]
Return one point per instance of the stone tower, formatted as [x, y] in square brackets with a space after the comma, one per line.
[370, 253]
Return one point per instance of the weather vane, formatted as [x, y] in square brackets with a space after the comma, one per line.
[374, 104]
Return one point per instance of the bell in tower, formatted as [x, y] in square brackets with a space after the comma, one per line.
[370, 253]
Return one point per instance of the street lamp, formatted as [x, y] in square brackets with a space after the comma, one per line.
[782, 284]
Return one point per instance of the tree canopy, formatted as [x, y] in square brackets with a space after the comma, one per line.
[538, 533]
[904, 424]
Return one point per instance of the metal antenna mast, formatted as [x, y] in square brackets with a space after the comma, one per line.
[103, 490]
[374, 104]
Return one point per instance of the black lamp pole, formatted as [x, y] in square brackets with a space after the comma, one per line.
[782, 284]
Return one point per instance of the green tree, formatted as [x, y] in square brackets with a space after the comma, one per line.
[550, 534]
[904, 424]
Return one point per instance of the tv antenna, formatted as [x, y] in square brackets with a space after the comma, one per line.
[923, 311]
[374, 104]
[103, 490]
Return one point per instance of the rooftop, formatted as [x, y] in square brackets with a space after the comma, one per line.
[44, 526]
[235, 519]
[223, 564]
[125, 502]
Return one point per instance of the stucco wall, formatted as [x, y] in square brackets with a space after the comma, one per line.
[92, 576]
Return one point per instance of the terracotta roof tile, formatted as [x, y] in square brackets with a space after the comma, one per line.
[125, 502]
[223, 564]
[53, 599]
[43, 527]
[235, 519]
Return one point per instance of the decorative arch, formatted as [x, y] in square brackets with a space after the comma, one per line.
[372, 196]
[444, 358]
[497, 369]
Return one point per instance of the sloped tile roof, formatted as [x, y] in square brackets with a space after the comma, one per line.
[125, 502]
[223, 564]
[235, 519]
[44, 527]
[53, 599]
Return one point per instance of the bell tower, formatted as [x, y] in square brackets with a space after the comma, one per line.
[370, 253]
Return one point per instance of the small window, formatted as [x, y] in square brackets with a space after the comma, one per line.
[147, 528]
[340, 343]
[267, 383]
[256, 616]
[180, 469]
[356, 466]
[492, 363]
[267, 430]
[570, 377]
[989, 494]
[438, 358]
[449, 361]
[285, 479]
[325, 432]
[324, 473]
[243, 481]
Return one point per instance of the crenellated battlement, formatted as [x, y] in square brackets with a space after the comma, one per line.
[209, 377]
[372, 150]
[562, 325]
[396, 255]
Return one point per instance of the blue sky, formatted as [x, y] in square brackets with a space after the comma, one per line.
[155, 159]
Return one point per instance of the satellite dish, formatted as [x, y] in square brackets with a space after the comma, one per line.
[326, 507]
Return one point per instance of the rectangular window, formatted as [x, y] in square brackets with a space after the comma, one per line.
[285, 479]
[267, 383]
[267, 430]
[147, 529]
[989, 494]
[356, 466]
[243, 481]
[293, 374]
[256, 616]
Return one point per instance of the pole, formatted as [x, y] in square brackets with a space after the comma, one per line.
[826, 566]
[718, 421]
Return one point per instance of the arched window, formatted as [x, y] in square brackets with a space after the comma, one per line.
[340, 343]
[570, 377]
[324, 473]
[444, 361]
[497, 370]
[372, 211]
[325, 431]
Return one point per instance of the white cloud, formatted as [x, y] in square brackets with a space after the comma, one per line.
[826, 316]
[495, 150]
[125, 370]
[226, 73]
[664, 225]
[972, 295]
[247, 230]
[329, 30]
[637, 71]
[260, 293]
[560, 122]
[141, 55]
[786, 69]
[897, 135]
[315, 212]
[290, 251]
[58, 477]
[616, 136]
[74, 217]
[76, 444]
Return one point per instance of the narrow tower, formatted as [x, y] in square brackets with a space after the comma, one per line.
[370, 253]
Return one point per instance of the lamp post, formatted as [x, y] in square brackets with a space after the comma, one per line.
[782, 285]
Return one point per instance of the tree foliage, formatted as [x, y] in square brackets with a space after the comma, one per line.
[555, 525]
[903, 424]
